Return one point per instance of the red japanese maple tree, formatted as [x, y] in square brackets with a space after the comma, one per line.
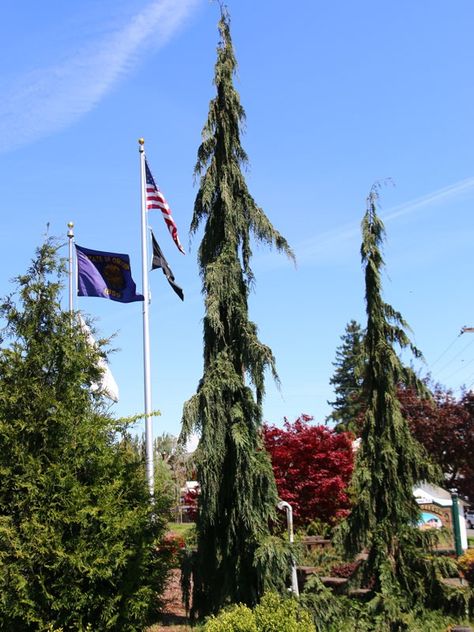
[312, 466]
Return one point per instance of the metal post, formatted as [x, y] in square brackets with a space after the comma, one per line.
[146, 327]
[456, 526]
[70, 234]
[289, 519]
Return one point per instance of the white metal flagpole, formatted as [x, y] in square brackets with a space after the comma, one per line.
[146, 326]
[70, 234]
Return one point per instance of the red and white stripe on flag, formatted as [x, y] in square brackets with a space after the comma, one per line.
[155, 200]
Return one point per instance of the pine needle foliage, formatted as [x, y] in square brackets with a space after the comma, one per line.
[76, 541]
[238, 493]
[390, 461]
[347, 379]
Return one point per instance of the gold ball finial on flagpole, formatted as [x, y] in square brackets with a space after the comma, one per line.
[70, 232]
[141, 141]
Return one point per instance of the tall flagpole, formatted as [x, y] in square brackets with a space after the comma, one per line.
[146, 326]
[70, 234]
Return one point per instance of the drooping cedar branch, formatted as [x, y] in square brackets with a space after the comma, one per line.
[238, 493]
[390, 462]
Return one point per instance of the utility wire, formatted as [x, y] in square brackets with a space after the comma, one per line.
[445, 366]
[466, 330]
[468, 388]
[446, 350]
[463, 366]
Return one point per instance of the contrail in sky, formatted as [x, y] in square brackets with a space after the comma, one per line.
[327, 245]
[431, 198]
[50, 99]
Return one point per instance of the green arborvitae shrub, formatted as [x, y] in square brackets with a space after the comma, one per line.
[77, 545]
[238, 493]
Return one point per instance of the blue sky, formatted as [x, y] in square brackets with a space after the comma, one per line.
[337, 95]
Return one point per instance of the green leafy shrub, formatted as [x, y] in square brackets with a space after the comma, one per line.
[323, 559]
[170, 549]
[237, 618]
[466, 565]
[277, 614]
[273, 614]
[319, 527]
[346, 569]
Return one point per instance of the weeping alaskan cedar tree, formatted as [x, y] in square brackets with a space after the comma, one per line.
[238, 495]
[389, 461]
[77, 545]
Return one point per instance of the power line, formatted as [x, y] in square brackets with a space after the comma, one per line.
[468, 379]
[448, 377]
[446, 350]
[444, 367]
[463, 331]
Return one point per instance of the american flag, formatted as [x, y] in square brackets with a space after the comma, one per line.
[156, 200]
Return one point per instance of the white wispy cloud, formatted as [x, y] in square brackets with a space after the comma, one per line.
[51, 98]
[328, 246]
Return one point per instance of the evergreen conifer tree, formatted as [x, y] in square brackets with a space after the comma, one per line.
[347, 379]
[389, 461]
[76, 540]
[238, 492]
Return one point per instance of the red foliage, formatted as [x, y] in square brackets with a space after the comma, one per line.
[347, 569]
[191, 503]
[445, 426]
[170, 548]
[312, 466]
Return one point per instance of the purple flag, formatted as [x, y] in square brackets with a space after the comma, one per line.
[105, 274]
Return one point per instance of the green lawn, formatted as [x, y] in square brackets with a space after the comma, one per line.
[185, 529]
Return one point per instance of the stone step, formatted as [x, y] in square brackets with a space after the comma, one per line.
[337, 584]
[362, 594]
[313, 542]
